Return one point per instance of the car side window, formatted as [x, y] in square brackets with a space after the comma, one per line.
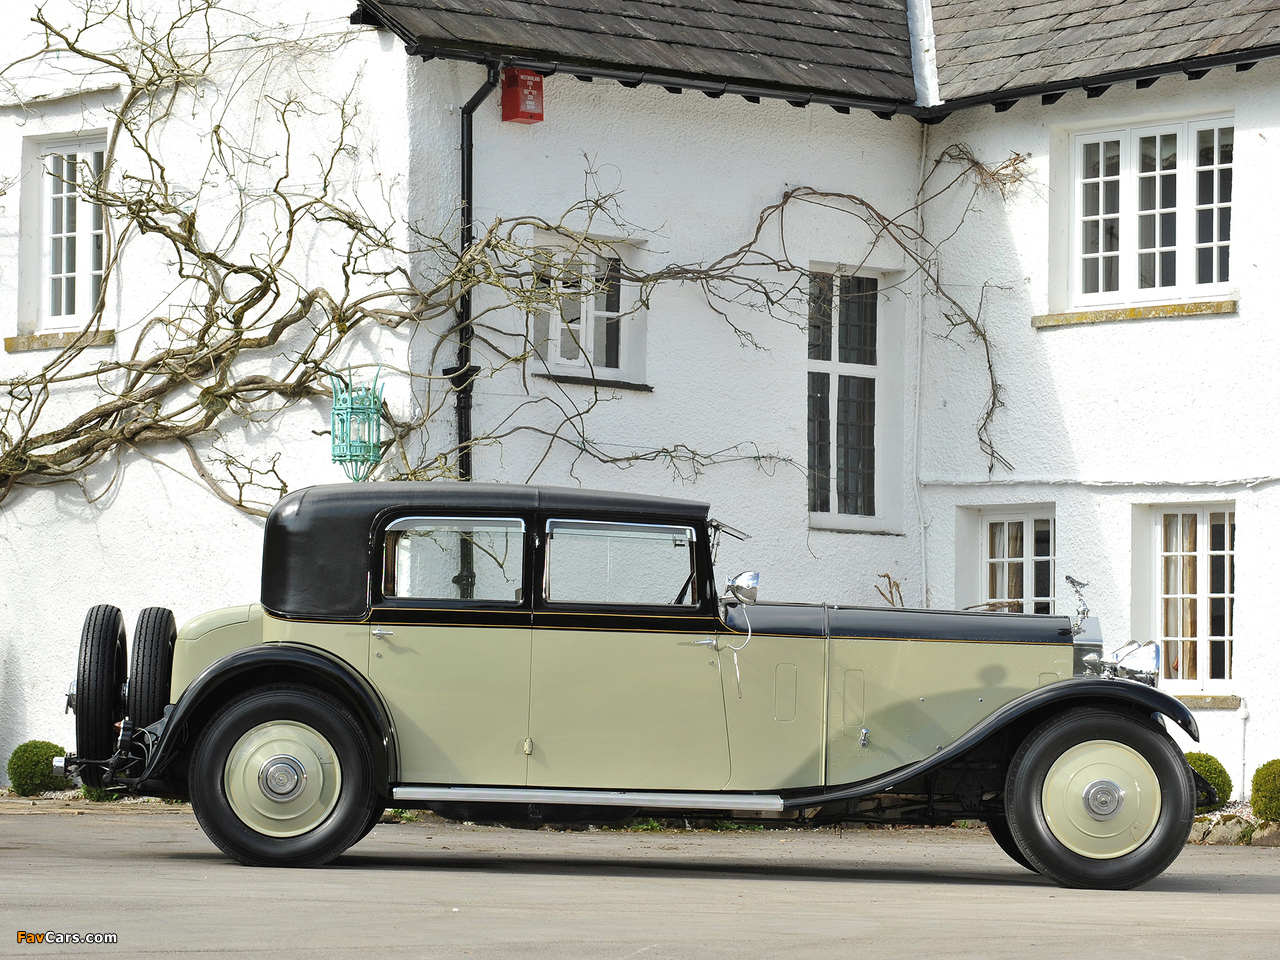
[452, 558]
[624, 563]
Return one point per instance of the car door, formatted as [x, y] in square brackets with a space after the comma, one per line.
[450, 647]
[625, 689]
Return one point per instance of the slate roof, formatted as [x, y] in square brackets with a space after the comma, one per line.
[856, 52]
[986, 48]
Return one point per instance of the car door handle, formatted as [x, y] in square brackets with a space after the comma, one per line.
[382, 632]
[709, 642]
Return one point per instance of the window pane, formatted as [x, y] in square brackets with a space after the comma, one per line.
[1091, 167]
[1224, 264]
[1204, 265]
[858, 297]
[619, 563]
[1169, 581]
[855, 446]
[609, 285]
[1092, 232]
[1204, 187]
[1224, 185]
[1168, 151]
[819, 442]
[1169, 543]
[1110, 236]
[1111, 196]
[1146, 232]
[1111, 273]
[1146, 270]
[1224, 224]
[995, 541]
[1147, 155]
[1204, 226]
[1044, 540]
[1217, 617]
[1043, 582]
[1111, 158]
[1204, 148]
[1168, 268]
[446, 559]
[820, 294]
[1189, 524]
[1226, 142]
[1089, 280]
[1016, 539]
[1168, 190]
[1091, 199]
[1016, 590]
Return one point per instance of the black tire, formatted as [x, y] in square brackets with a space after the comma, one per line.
[151, 666]
[100, 676]
[374, 816]
[325, 828]
[1117, 845]
[999, 828]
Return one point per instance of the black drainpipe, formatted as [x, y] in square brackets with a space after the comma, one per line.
[463, 374]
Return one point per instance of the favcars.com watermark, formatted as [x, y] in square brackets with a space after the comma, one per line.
[52, 936]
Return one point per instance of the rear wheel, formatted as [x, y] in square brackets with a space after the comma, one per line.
[282, 776]
[100, 677]
[151, 666]
[1099, 799]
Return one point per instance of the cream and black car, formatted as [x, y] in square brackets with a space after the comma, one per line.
[506, 653]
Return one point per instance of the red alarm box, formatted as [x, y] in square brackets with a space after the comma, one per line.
[521, 95]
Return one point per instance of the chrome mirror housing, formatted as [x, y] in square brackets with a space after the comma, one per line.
[743, 587]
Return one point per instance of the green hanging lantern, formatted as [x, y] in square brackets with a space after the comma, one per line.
[356, 425]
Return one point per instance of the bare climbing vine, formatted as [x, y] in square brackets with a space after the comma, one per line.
[285, 257]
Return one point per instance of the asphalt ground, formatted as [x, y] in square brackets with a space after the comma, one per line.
[145, 873]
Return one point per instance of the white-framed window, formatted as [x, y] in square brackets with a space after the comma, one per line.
[73, 234]
[1018, 560]
[1194, 547]
[592, 327]
[1151, 212]
[843, 372]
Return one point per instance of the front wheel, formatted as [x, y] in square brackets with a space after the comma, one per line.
[1096, 798]
[282, 776]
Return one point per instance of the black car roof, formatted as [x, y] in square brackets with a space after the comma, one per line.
[317, 542]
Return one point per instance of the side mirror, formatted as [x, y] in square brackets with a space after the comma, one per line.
[743, 587]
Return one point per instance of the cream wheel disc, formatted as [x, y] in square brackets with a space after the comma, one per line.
[1101, 799]
[282, 778]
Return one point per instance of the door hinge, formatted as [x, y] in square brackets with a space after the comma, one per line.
[528, 746]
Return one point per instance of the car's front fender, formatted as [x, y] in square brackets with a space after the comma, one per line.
[1053, 697]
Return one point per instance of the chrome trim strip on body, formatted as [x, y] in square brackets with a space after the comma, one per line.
[604, 798]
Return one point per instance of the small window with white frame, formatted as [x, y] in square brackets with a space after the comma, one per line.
[1019, 559]
[591, 325]
[74, 235]
[1195, 594]
[1151, 213]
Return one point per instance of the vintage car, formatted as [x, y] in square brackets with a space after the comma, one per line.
[506, 653]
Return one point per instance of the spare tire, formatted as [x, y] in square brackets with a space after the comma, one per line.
[100, 674]
[151, 666]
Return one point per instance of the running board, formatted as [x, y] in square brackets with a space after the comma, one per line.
[603, 798]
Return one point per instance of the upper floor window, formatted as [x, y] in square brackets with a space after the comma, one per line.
[1195, 593]
[1152, 212]
[74, 236]
[592, 326]
[843, 372]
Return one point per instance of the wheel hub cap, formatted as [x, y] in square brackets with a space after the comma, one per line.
[1101, 799]
[282, 778]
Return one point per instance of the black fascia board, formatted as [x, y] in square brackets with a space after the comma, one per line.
[430, 48]
[1193, 64]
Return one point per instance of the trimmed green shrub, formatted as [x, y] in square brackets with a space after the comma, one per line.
[1266, 791]
[29, 768]
[1207, 765]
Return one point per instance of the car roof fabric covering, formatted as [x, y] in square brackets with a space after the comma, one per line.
[317, 546]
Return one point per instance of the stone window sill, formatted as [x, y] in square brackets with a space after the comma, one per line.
[596, 382]
[58, 341]
[1155, 311]
[1209, 703]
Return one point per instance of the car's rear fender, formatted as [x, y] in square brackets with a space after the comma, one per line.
[1014, 720]
[268, 664]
